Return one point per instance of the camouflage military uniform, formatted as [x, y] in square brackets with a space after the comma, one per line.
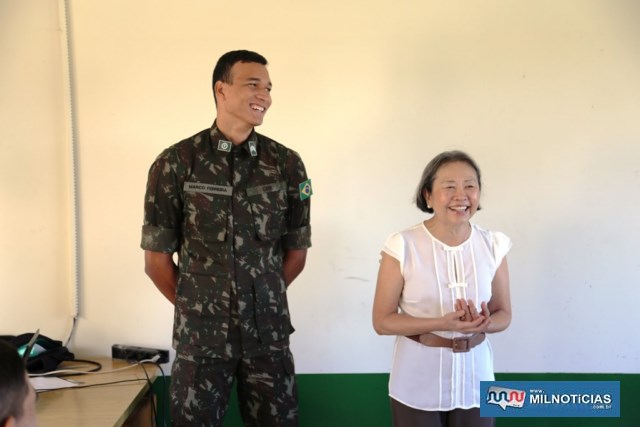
[230, 212]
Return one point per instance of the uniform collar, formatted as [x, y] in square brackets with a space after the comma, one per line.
[219, 140]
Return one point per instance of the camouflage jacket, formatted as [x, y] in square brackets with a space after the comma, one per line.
[230, 212]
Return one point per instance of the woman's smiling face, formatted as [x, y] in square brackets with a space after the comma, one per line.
[455, 193]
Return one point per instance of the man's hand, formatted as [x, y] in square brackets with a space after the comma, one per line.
[163, 272]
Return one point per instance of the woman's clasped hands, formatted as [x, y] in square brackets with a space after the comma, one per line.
[467, 319]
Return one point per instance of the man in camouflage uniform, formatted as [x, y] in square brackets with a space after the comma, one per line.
[234, 205]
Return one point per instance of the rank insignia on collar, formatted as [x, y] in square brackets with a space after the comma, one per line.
[305, 189]
[224, 145]
[252, 148]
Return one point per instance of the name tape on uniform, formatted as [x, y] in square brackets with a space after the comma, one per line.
[199, 187]
[267, 188]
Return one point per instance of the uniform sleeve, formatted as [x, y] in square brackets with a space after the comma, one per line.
[162, 207]
[298, 234]
[394, 246]
[501, 246]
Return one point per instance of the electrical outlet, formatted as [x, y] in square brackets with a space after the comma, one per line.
[136, 354]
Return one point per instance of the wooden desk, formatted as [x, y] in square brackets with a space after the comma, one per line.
[122, 404]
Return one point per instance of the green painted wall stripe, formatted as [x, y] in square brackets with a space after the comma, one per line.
[355, 400]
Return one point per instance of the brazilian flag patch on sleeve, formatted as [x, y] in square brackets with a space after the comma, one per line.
[305, 189]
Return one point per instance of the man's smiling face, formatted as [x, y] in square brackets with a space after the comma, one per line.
[246, 99]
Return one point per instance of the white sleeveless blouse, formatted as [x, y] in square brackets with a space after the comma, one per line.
[435, 275]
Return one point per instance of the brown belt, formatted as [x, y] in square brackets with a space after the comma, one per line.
[458, 345]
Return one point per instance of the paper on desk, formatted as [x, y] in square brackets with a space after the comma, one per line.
[50, 383]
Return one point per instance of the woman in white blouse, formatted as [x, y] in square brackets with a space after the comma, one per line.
[442, 286]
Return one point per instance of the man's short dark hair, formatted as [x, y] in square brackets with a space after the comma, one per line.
[13, 383]
[222, 70]
[429, 174]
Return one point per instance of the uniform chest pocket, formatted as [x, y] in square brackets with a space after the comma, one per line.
[269, 207]
[206, 215]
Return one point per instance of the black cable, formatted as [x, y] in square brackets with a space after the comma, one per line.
[164, 394]
[97, 367]
[154, 414]
[71, 372]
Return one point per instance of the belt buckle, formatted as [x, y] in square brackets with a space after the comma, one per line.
[460, 345]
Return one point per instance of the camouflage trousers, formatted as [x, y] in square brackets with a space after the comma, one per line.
[266, 386]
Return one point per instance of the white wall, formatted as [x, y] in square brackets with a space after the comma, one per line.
[35, 204]
[545, 95]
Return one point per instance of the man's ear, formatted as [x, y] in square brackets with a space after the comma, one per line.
[9, 422]
[218, 89]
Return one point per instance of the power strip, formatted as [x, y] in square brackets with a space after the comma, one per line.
[137, 354]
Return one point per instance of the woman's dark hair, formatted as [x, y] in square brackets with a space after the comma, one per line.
[13, 382]
[222, 70]
[429, 174]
